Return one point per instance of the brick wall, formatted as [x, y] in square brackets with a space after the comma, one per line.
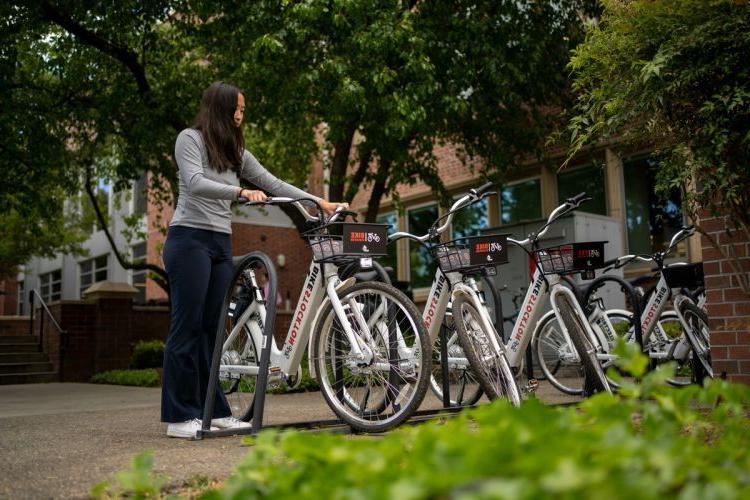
[8, 297]
[100, 334]
[450, 167]
[728, 307]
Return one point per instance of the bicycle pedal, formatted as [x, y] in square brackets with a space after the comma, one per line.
[531, 386]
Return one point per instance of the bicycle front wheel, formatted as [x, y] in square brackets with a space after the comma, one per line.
[490, 367]
[463, 386]
[583, 345]
[385, 386]
[698, 336]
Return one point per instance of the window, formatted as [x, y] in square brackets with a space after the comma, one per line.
[139, 276]
[139, 195]
[421, 267]
[21, 291]
[470, 220]
[390, 260]
[588, 179]
[651, 220]
[93, 271]
[50, 286]
[521, 201]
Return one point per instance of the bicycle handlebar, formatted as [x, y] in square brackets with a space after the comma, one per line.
[473, 195]
[297, 203]
[569, 205]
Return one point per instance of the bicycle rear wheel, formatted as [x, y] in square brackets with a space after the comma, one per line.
[489, 366]
[379, 391]
[583, 345]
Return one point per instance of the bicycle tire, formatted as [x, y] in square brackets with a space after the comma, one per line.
[339, 397]
[491, 368]
[469, 390]
[586, 350]
[239, 389]
[698, 337]
[550, 373]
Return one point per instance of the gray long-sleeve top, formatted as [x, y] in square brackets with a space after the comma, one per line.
[206, 195]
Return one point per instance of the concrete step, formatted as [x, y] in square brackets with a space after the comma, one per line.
[14, 339]
[28, 378]
[19, 347]
[19, 368]
[23, 357]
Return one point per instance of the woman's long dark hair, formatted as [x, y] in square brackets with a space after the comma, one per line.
[215, 121]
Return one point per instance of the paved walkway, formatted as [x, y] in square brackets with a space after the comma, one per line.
[58, 440]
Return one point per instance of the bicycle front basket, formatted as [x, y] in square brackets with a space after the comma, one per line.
[348, 239]
[570, 258]
[471, 253]
[684, 275]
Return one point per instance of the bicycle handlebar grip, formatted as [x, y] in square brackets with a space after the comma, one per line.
[483, 188]
[578, 199]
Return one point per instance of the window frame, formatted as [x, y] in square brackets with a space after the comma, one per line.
[392, 230]
[93, 272]
[409, 243]
[582, 166]
[47, 281]
[535, 177]
[137, 273]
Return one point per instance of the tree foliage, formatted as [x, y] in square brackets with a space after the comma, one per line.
[384, 81]
[87, 89]
[673, 74]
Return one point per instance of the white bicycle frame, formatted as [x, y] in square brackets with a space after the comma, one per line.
[440, 295]
[605, 334]
[321, 286]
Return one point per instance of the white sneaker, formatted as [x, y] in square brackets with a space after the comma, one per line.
[186, 429]
[230, 423]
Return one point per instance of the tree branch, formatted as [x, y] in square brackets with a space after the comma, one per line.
[359, 176]
[125, 56]
[162, 280]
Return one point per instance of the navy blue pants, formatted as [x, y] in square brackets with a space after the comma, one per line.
[199, 266]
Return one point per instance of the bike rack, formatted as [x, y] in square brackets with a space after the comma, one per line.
[265, 354]
[635, 300]
[265, 357]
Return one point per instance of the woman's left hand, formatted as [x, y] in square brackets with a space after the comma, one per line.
[330, 206]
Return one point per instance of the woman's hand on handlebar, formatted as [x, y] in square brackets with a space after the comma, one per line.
[252, 195]
[330, 206]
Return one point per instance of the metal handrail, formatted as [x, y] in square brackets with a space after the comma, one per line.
[41, 322]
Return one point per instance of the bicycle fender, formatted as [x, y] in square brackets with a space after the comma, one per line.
[310, 365]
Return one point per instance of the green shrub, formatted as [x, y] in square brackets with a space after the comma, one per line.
[138, 482]
[650, 441]
[147, 354]
[148, 377]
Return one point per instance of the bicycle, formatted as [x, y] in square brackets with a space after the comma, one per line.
[369, 350]
[662, 340]
[460, 262]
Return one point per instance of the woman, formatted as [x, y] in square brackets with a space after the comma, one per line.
[211, 160]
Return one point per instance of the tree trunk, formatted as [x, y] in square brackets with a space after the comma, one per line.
[340, 163]
[359, 175]
[160, 279]
[378, 189]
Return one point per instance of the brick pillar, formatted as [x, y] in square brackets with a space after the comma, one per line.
[728, 306]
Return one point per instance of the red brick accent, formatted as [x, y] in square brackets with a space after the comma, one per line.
[8, 297]
[728, 306]
[99, 335]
